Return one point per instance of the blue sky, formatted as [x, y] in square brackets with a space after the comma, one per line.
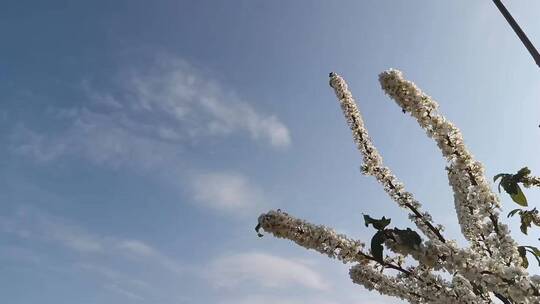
[141, 140]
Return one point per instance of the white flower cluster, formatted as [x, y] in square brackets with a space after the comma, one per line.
[476, 205]
[529, 181]
[536, 218]
[317, 237]
[488, 274]
[373, 164]
[364, 275]
[490, 267]
[412, 290]
[419, 286]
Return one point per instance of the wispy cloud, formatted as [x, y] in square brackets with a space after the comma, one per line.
[265, 270]
[27, 223]
[146, 115]
[226, 191]
[121, 265]
[119, 282]
[36, 145]
[32, 225]
[70, 236]
[124, 292]
[140, 249]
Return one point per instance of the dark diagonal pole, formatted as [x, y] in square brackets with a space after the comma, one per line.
[519, 32]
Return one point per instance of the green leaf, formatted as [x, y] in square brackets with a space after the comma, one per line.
[519, 197]
[509, 185]
[535, 252]
[496, 177]
[502, 176]
[376, 245]
[408, 238]
[522, 173]
[377, 224]
[513, 212]
[536, 257]
[534, 249]
[523, 255]
[526, 219]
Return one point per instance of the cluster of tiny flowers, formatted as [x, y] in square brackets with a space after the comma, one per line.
[529, 181]
[316, 237]
[424, 253]
[491, 275]
[465, 214]
[464, 291]
[365, 275]
[418, 286]
[488, 274]
[475, 202]
[490, 266]
[373, 164]
[334, 245]
[536, 217]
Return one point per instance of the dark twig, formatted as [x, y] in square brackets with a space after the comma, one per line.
[519, 32]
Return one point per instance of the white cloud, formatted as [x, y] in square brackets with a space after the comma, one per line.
[147, 115]
[267, 271]
[228, 118]
[225, 191]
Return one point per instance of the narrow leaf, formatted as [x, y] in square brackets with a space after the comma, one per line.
[526, 219]
[513, 212]
[376, 245]
[535, 255]
[534, 249]
[502, 176]
[496, 177]
[519, 197]
[377, 224]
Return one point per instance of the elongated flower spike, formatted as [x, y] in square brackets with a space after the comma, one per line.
[490, 268]
[373, 163]
[476, 204]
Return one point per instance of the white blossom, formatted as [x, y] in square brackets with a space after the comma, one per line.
[373, 164]
[529, 181]
[489, 268]
[316, 237]
[476, 205]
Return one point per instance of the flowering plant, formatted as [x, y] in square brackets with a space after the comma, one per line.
[493, 266]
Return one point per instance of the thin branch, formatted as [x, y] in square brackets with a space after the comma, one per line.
[519, 32]
[502, 298]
